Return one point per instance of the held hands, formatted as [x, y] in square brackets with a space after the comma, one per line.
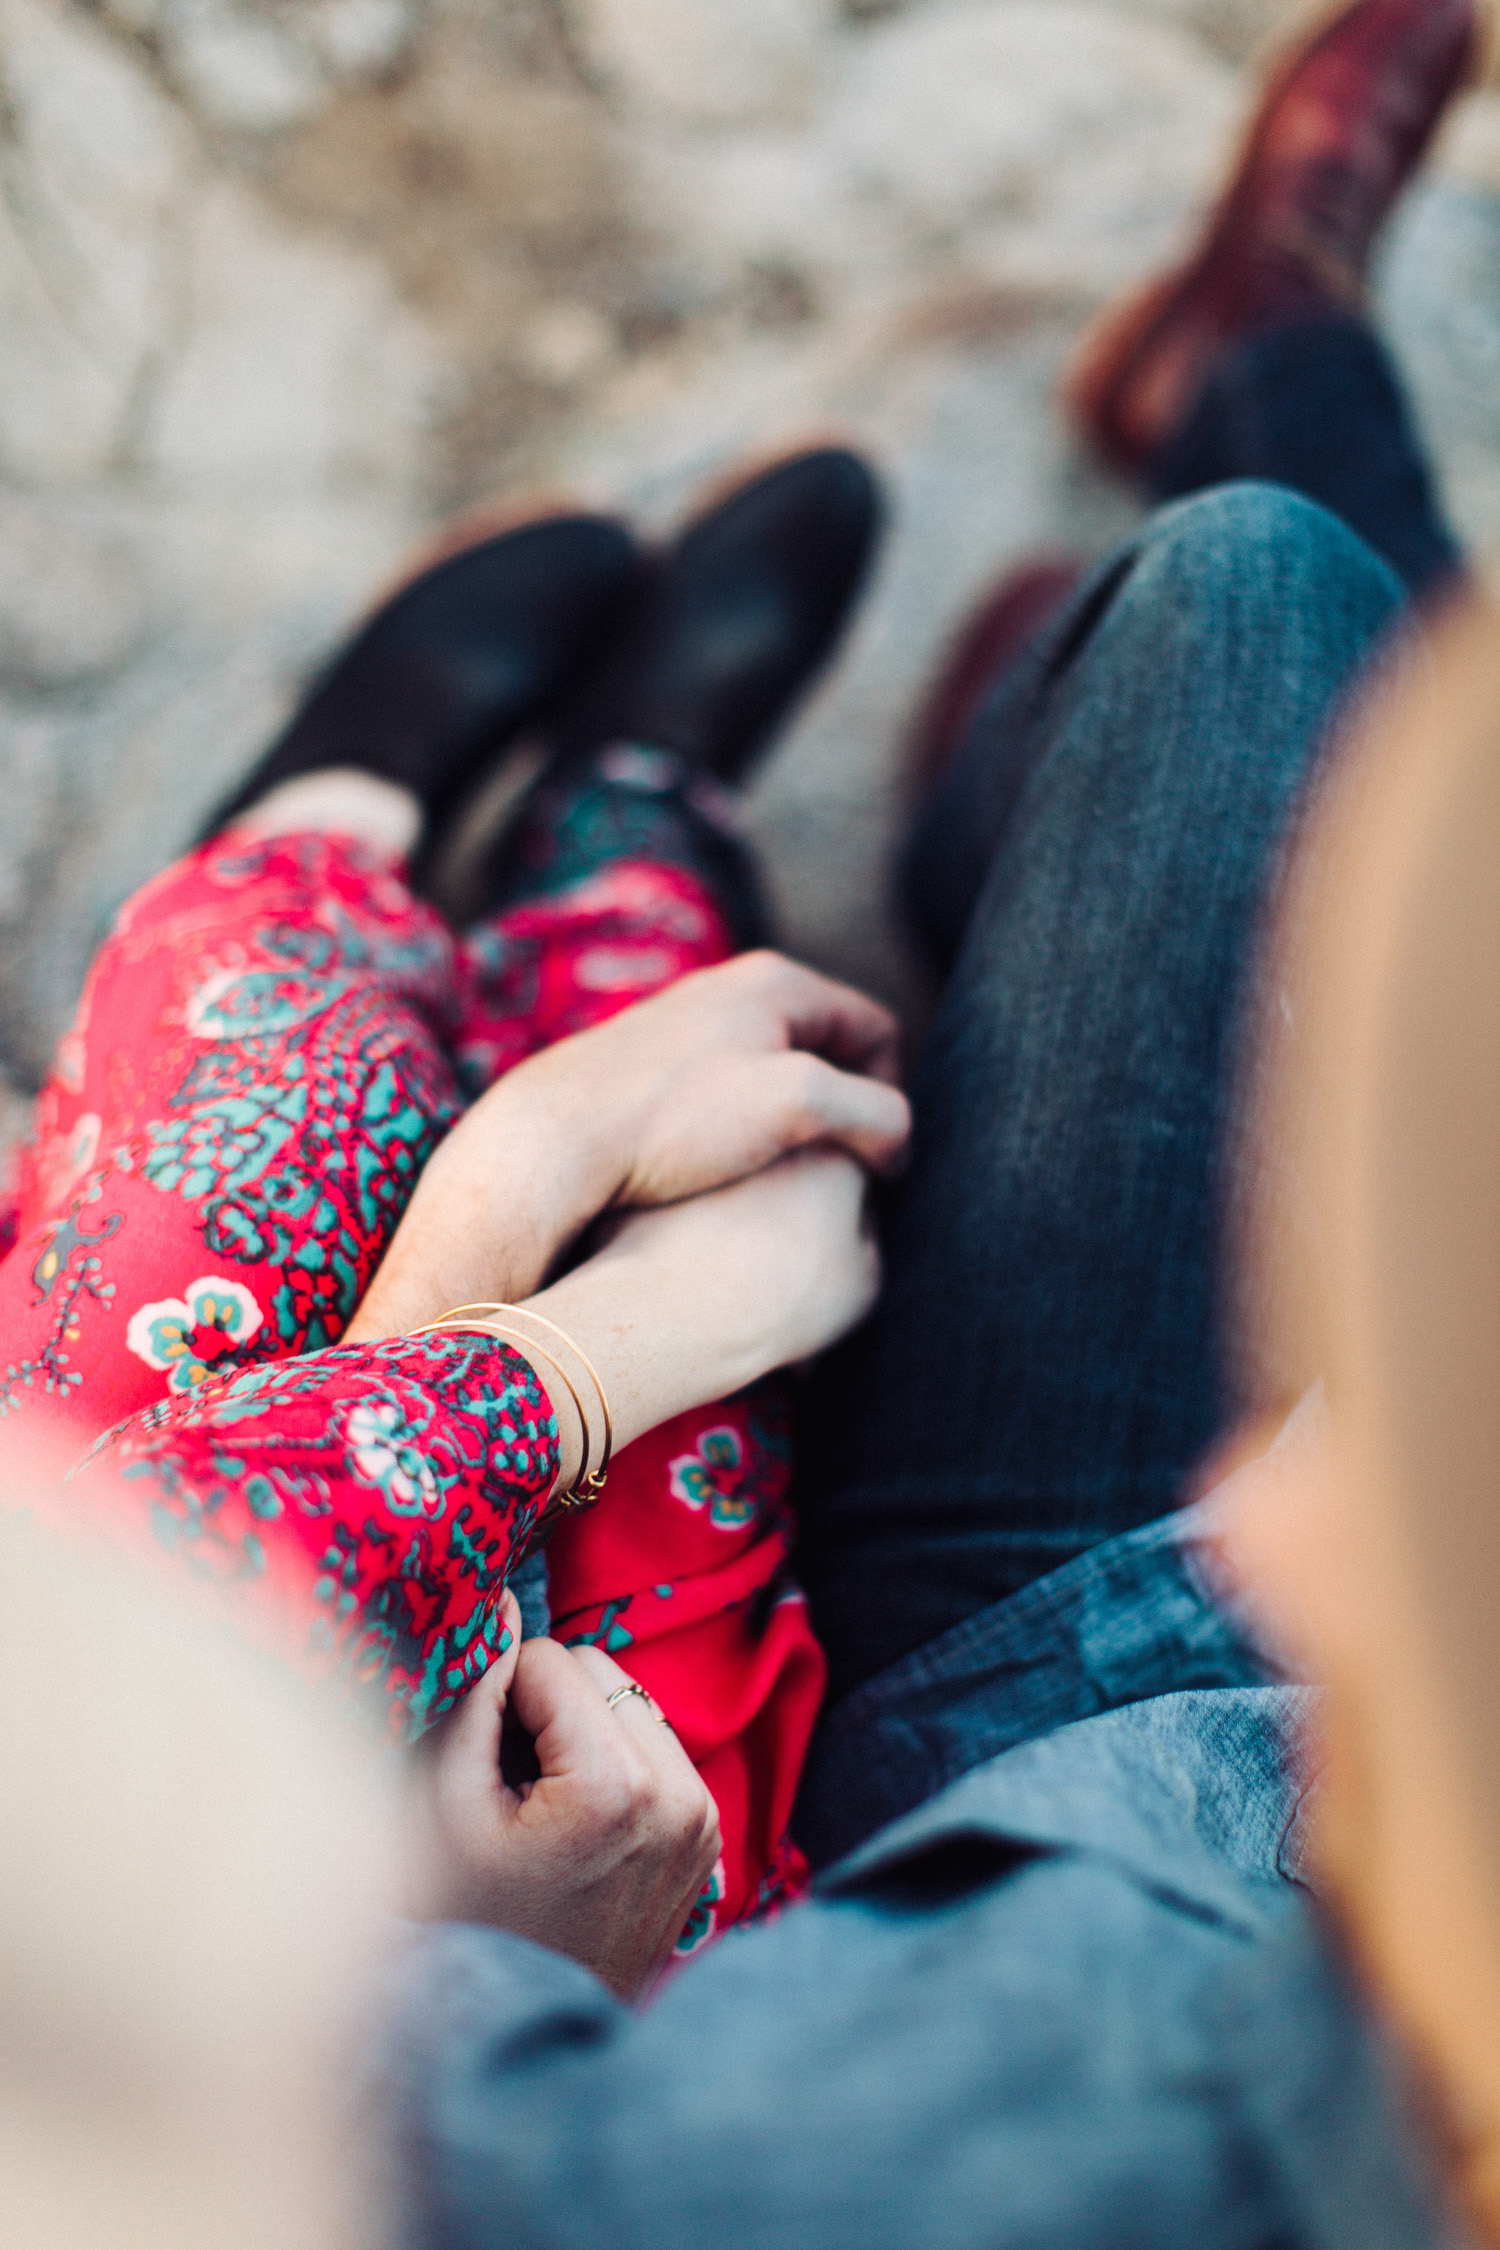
[692, 1302]
[727, 1070]
[729, 1122]
[603, 1855]
[709, 1081]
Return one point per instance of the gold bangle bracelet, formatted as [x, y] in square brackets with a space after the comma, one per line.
[595, 1479]
[578, 1495]
[452, 1323]
[585, 1488]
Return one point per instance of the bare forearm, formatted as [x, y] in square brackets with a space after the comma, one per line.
[499, 1202]
[688, 1303]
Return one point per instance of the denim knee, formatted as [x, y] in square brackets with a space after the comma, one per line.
[1261, 556]
[1220, 600]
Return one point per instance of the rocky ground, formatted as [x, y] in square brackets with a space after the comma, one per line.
[282, 281]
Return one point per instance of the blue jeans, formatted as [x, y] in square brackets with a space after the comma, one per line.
[1050, 1358]
[1317, 405]
[1051, 1353]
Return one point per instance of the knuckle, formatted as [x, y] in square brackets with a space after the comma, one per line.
[688, 1805]
[639, 1787]
[803, 1090]
[746, 971]
[608, 1809]
[774, 978]
[617, 1801]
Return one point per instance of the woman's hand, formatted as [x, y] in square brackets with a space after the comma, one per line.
[692, 1302]
[707, 1082]
[603, 1855]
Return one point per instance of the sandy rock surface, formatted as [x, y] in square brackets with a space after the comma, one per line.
[283, 281]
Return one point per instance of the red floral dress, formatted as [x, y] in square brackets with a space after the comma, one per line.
[271, 1042]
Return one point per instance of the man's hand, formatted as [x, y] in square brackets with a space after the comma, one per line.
[733, 1067]
[601, 1857]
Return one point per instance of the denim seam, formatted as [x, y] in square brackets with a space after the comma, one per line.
[935, 1663]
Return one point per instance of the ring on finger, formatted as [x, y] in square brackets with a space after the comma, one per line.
[633, 1687]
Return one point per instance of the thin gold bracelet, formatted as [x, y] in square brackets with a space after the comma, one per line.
[587, 1484]
[594, 1482]
[578, 1496]
[452, 1324]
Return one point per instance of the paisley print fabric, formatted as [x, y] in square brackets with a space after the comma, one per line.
[713, 1477]
[378, 1495]
[256, 1075]
[272, 1041]
[698, 1603]
[633, 802]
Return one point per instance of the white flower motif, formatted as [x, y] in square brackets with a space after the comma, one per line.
[385, 1456]
[197, 1334]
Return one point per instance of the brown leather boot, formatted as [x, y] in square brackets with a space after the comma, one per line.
[1345, 119]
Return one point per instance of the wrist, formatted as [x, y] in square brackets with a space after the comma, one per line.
[654, 1356]
[578, 1151]
[500, 1200]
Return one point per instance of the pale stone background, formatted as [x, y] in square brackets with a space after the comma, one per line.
[281, 281]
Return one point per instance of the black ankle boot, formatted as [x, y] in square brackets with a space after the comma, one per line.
[734, 620]
[464, 656]
[725, 631]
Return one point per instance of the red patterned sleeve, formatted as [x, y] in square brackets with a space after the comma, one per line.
[375, 1495]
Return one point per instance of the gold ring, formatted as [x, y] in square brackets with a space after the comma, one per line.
[632, 1687]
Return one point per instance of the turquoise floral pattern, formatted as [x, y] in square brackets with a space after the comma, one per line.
[609, 1634]
[201, 1333]
[305, 1115]
[701, 1923]
[264, 1058]
[305, 1159]
[67, 1275]
[384, 1492]
[712, 1477]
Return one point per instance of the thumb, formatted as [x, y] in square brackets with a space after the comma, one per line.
[565, 1712]
[468, 1740]
[493, 1686]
